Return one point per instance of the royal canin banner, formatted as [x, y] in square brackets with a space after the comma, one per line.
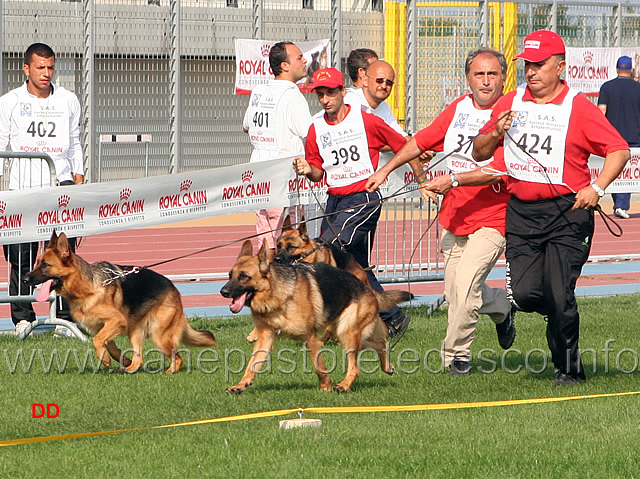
[588, 68]
[252, 63]
[82, 210]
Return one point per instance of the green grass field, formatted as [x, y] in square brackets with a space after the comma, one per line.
[581, 438]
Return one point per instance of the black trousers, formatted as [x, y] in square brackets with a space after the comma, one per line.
[355, 229]
[22, 258]
[547, 245]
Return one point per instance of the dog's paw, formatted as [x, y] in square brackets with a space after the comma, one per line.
[341, 388]
[252, 337]
[237, 389]
[326, 387]
[123, 370]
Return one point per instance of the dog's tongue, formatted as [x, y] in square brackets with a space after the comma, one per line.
[238, 303]
[45, 290]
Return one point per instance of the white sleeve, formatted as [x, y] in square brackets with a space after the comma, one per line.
[387, 115]
[75, 148]
[300, 118]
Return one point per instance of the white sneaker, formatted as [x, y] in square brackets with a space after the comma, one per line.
[21, 327]
[620, 213]
[62, 332]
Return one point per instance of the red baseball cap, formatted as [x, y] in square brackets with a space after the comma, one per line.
[540, 45]
[327, 77]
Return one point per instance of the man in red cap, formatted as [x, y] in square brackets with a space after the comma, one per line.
[541, 136]
[344, 144]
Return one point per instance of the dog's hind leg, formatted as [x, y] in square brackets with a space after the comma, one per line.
[350, 338]
[375, 337]
[314, 344]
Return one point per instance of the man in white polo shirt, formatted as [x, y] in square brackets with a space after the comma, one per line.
[38, 117]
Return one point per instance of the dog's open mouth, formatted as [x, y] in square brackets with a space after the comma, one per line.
[45, 290]
[238, 303]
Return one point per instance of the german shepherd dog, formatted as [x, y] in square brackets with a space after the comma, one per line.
[110, 300]
[295, 245]
[299, 302]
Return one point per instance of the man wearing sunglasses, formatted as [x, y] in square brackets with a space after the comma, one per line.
[377, 84]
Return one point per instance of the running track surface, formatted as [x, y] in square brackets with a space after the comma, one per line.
[149, 246]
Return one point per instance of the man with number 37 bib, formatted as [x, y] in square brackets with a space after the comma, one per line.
[344, 144]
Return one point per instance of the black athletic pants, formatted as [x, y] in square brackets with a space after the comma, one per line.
[355, 229]
[547, 245]
[22, 258]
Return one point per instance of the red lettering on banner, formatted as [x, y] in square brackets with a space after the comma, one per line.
[11, 221]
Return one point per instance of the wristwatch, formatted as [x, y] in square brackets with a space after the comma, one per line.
[455, 182]
[599, 190]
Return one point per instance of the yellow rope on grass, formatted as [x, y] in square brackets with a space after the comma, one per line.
[326, 410]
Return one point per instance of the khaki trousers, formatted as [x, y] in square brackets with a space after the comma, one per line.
[468, 261]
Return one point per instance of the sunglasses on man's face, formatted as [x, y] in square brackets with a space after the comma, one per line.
[380, 81]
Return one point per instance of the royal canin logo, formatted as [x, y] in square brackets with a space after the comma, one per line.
[184, 198]
[122, 208]
[9, 222]
[265, 49]
[247, 189]
[635, 159]
[62, 215]
[587, 56]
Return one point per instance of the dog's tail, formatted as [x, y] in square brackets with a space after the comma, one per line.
[193, 337]
[388, 299]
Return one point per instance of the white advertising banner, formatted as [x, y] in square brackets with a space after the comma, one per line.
[81, 210]
[588, 68]
[252, 62]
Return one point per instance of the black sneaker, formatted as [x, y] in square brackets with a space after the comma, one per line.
[397, 324]
[507, 330]
[563, 379]
[459, 368]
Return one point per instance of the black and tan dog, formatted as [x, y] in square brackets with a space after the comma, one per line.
[299, 302]
[295, 245]
[110, 300]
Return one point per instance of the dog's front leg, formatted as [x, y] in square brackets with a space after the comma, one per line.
[314, 344]
[111, 330]
[116, 354]
[261, 352]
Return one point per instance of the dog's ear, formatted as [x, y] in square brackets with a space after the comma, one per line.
[54, 239]
[286, 225]
[247, 249]
[264, 257]
[302, 229]
[62, 247]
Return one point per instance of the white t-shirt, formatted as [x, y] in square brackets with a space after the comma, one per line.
[277, 119]
[355, 96]
[41, 125]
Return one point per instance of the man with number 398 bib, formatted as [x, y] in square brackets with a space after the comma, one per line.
[344, 144]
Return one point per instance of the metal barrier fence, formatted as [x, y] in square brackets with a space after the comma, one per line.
[17, 169]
